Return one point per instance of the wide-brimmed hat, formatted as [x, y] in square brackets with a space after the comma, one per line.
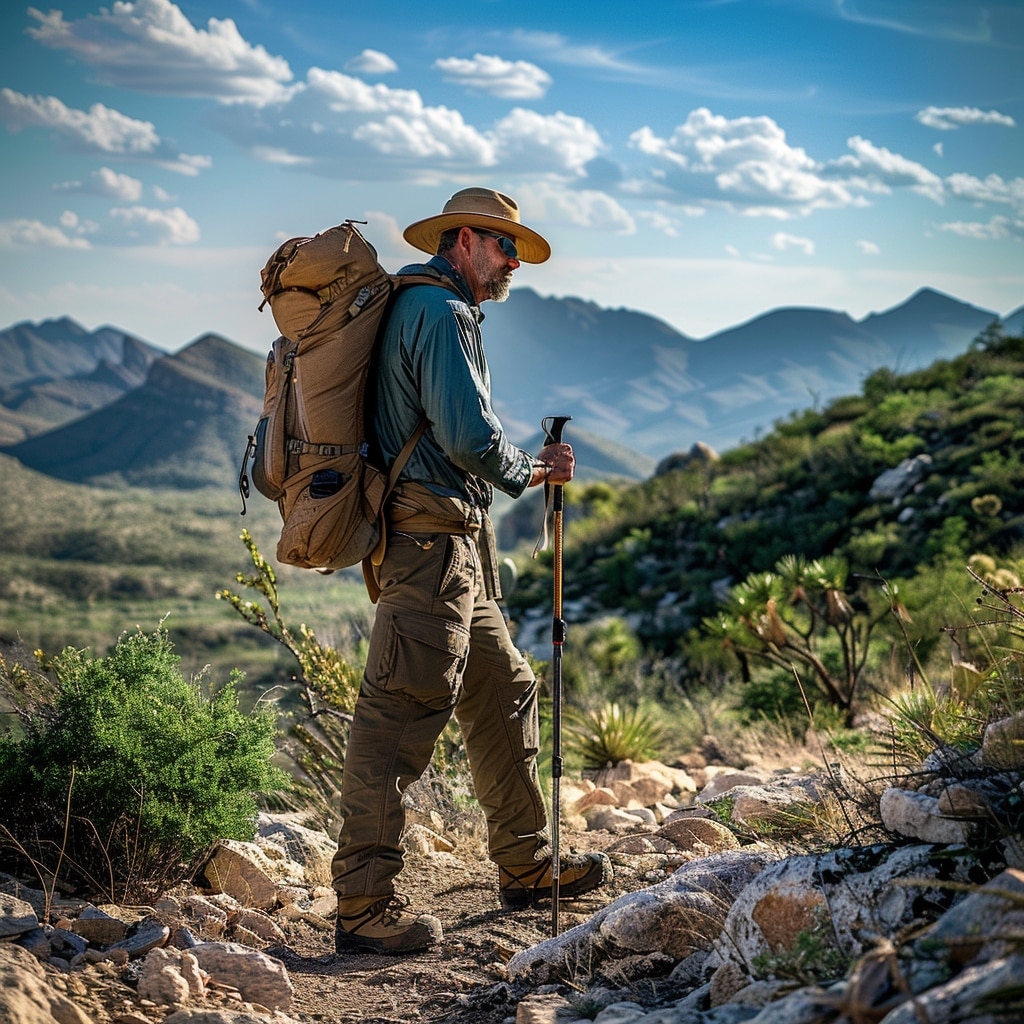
[479, 208]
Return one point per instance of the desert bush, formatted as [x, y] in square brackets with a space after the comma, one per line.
[611, 734]
[125, 771]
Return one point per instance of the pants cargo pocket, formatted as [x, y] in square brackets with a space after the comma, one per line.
[418, 656]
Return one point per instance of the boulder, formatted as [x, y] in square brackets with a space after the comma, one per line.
[241, 870]
[258, 977]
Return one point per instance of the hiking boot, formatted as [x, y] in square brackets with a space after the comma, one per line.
[382, 924]
[526, 884]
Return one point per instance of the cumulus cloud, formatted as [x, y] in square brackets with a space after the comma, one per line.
[783, 241]
[100, 129]
[509, 80]
[882, 169]
[371, 62]
[745, 163]
[551, 203]
[991, 189]
[867, 248]
[108, 183]
[35, 234]
[150, 45]
[143, 225]
[997, 229]
[342, 126]
[950, 118]
[559, 143]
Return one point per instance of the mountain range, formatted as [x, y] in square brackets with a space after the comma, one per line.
[105, 407]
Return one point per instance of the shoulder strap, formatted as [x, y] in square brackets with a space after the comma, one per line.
[403, 456]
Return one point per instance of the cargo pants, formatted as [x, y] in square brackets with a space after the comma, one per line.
[439, 646]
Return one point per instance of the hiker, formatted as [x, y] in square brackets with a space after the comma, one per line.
[440, 644]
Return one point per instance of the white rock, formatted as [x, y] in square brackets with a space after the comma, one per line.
[258, 977]
[917, 816]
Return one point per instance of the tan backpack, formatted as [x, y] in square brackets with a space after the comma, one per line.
[309, 451]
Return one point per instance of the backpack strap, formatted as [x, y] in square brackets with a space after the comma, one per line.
[403, 456]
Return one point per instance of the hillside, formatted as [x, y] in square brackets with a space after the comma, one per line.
[56, 371]
[635, 380]
[184, 427]
[662, 553]
[635, 386]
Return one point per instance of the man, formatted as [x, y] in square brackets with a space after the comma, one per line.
[440, 644]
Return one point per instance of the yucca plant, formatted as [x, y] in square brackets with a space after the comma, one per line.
[611, 734]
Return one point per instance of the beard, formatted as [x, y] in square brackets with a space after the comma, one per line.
[499, 286]
[497, 281]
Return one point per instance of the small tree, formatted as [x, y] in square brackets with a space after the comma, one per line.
[125, 771]
[790, 617]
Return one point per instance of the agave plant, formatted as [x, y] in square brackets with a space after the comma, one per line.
[611, 734]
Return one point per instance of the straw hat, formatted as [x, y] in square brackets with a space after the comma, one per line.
[479, 208]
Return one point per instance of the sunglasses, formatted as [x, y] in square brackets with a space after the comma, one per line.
[505, 244]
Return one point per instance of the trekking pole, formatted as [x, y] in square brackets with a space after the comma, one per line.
[553, 427]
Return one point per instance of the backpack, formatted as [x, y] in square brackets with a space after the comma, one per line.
[309, 451]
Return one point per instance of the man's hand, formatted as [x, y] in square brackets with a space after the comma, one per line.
[555, 464]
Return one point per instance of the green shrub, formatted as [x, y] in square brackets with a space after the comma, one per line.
[612, 734]
[127, 771]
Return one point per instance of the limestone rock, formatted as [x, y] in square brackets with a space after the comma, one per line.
[311, 848]
[98, 927]
[698, 835]
[720, 782]
[26, 998]
[854, 892]
[895, 483]
[1003, 743]
[241, 870]
[161, 980]
[258, 977]
[917, 816]
[683, 913]
[16, 917]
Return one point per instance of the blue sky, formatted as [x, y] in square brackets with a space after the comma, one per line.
[700, 160]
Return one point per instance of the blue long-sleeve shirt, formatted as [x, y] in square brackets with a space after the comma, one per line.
[432, 364]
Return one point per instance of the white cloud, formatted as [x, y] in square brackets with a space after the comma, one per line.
[950, 118]
[745, 163]
[344, 127]
[997, 229]
[992, 189]
[885, 170]
[783, 241]
[558, 48]
[867, 248]
[553, 143]
[98, 130]
[550, 203]
[275, 155]
[509, 80]
[371, 62]
[150, 45]
[660, 222]
[107, 183]
[143, 225]
[36, 234]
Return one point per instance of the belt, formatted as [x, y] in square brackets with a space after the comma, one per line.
[416, 520]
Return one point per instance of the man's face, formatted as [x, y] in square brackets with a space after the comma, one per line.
[492, 268]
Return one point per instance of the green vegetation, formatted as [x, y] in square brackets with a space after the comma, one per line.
[776, 578]
[125, 771]
[611, 734]
[79, 565]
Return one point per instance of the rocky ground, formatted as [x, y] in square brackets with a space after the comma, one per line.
[724, 909]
